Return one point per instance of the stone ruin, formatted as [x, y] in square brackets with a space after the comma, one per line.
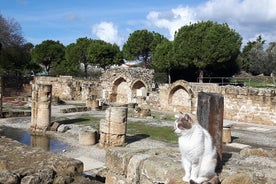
[136, 86]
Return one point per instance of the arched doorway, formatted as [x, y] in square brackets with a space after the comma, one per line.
[120, 91]
[180, 99]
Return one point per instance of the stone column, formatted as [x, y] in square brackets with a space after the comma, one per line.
[210, 115]
[113, 127]
[1, 96]
[41, 107]
[91, 102]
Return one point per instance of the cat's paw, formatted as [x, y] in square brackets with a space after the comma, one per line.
[186, 178]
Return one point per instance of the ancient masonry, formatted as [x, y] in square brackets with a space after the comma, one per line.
[136, 85]
[41, 107]
[1, 96]
[113, 127]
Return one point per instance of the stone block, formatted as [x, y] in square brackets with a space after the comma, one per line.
[161, 169]
[87, 136]
[237, 178]
[113, 178]
[117, 159]
[112, 127]
[8, 177]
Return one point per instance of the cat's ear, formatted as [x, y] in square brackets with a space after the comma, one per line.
[188, 118]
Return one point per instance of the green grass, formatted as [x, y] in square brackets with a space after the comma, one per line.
[162, 133]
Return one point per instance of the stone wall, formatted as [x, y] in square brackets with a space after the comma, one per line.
[126, 85]
[134, 85]
[254, 105]
[69, 88]
[163, 165]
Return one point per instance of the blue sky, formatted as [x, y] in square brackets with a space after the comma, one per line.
[114, 20]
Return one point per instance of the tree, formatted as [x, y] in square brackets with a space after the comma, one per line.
[49, 53]
[163, 59]
[103, 54]
[14, 51]
[204, 44]
[245, 61]
[77, 53]
[141, 44]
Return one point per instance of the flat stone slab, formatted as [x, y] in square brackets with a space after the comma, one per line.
[238, 145]
[90, 164]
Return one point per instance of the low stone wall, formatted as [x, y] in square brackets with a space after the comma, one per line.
[252, 105]
[147, 166]
[23, 164]
[163, 166]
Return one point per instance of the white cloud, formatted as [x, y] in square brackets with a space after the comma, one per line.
[108, 32]
[173, 19]
[250, 18]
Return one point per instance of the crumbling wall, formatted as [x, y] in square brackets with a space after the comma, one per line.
[69, 88]
[125, 85]
[254, 105]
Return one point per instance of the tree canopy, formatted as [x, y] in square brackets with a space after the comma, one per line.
[14, 51]
[49, 53]
[103, 54]
[163, 57]
[141, 44]
[206, 43]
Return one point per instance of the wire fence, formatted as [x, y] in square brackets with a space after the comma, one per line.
[241, 81]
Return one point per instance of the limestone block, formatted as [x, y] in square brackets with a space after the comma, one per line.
[113, 178]
[237, 178]
[161, 169]
[112, 139]
[116, 114]
[87, 136]
[8, 177]
[117, 159]
[112, 127]
[133, 168]
[70, 167]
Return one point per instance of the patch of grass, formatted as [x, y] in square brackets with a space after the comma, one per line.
[81, 120]
[162, 133]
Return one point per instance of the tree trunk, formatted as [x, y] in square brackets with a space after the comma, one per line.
[200, 77]
[169, 76]
[85, 70]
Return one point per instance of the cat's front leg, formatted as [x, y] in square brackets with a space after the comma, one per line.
[195, 170]
[187, 168]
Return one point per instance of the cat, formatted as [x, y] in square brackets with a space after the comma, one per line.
[198, 154]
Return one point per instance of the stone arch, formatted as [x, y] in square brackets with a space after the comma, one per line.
[181, 96]
[138, 85]
[120, 91]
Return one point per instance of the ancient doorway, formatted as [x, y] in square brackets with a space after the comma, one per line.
[180, 99]
[120, 91]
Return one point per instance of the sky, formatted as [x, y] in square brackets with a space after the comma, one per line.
[114, 20]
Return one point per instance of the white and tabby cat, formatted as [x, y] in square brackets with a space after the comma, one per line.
[198, 154]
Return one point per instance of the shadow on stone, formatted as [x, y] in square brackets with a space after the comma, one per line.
[136, 137]
[72, 121]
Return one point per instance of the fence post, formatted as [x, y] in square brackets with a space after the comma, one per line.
[210, 116]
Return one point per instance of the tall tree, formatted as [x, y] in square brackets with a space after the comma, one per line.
[163, 59]
[14, 51]
[49, 53]
[103, 54]
[244, 60]
[141, 44]
[206, 43]
[77, 53]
